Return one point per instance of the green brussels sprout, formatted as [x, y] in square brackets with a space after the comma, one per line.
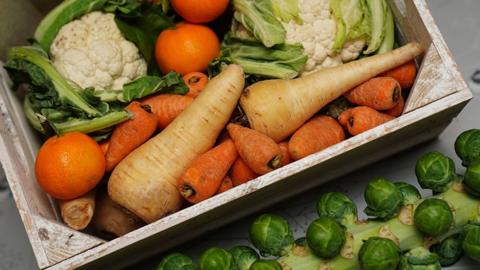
[471, 180]
[325, 237]
[467, 146]
[383, 198]
[471, 240]
[266, 265]
[409, 192]
[338, 206]
[379, 254]
[433, 217]
[419, 258]
[216, 258]
[301, 242]
[435, 171]
[176, 261]
[244, 257]
[449, 250]
[270, 234]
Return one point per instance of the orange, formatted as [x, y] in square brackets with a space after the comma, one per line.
[199, 11]
[70, 165]
[187, 48]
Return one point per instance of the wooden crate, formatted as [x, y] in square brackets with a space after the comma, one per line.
[438, 96]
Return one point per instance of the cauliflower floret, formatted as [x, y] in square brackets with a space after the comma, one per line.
[317, 35]
[92, 52]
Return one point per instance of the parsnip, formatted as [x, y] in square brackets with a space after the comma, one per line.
[78, 213]
[279, 107]
[144, 182]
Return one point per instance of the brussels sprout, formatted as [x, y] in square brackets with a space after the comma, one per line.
[433, 216]
[419, 258]
[216, 258]
[471, 179]
[176, 261]
[383, 199]
[409, 192]
[467, 146]
[325, 237]
[337, 206]
[244, 257]
[379, 254]
[449, 250]
[270, 234]
[266, 265]
[435, 171]
[471, 240]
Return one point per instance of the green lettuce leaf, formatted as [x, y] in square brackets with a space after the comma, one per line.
[287, 10]
[353, 21]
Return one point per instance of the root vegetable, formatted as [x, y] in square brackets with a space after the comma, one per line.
[404, 74]
[381, 93]
[361, 119]
[225, 185]
[78, 213]
[398, 109]
[286, 158]
[167, 107]
[241, 173]
[196, 82]
[145, 181]
[279, 107]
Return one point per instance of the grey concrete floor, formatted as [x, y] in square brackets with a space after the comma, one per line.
[459, 21]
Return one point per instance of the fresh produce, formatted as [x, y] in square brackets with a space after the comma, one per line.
[361, 119]
[325, 237]
[404, 74]
[69, 166]
[410, 194]
[259, 152]
[270, 234]
[449, 250]
[196, 82]
[280, 119]
[199, 11]
[244, 257]
[419, 258]
[192, 133]
[435, 171]
[433, 217]
[388, 42]
[467, 146]
[379, 253]
[378, 11]
[338, 206]
[241, 173]
[205, 174]
[77, 213]
[471, 240]
[225, 185]
[176, 261]
[383, 199]
[315, 135]
[216, 258]
[398, 109]
[167, 107]
[187, 48]
[286, 157]
[380, 93]
[127, 136]
[266, 265]
[471, 181]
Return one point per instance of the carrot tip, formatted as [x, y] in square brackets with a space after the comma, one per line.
[276, 162]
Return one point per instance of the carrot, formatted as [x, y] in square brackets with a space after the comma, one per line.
[130, 134]
[259, 152]
[167, 106]
[204, 175]
[278, 108]
[286, 159]
[145, 181]
[398, 109]
[196, 82]
[104, 145]
[78, 213]
[381, 93]
[315, 135]
[404, 74]
[241, 173]
[225, 185]
[362, 118]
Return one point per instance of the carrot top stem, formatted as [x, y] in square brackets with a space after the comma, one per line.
[276, 162]
[186, 191]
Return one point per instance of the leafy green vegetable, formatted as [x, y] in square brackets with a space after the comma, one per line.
[90, 125]
[472, 178]
[270, 234]
[419, 258]
[389, 40]
[433, 217]
[383, 199]
[449, 250]
[325, 237]
[410, 193]
[379, 254]
[435, 171]
[244, 257]
[338, 206]
[216, 258]
[352, 19]
[471, 240]
[287, 10]
[378, 15]
[467, 146]
[257, 17]
[176, 261]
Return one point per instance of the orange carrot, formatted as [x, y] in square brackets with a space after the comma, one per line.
[315, 135]
[204, 175]
[286, 159]
[381, 93]
[362, 118]
[259, 151]
[225, 185]
[195, 81]
[167, 107]
[398, 109]
[130, 134]
[404, 74]
[104, 145]
[241, 173]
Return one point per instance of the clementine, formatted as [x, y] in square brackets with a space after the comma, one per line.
[199, 11]
[70, 165]
[187, 48]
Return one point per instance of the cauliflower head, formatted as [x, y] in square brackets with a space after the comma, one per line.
[92, 52]
[317, 35]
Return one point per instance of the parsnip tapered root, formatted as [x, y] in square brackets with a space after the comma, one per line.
[144, 182]
[111, 220]
[279, 107]
[78, 213]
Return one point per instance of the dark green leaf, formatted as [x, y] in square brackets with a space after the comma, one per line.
[144, 86]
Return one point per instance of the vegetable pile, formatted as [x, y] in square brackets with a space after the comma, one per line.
[178, 101]
[404, 231]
